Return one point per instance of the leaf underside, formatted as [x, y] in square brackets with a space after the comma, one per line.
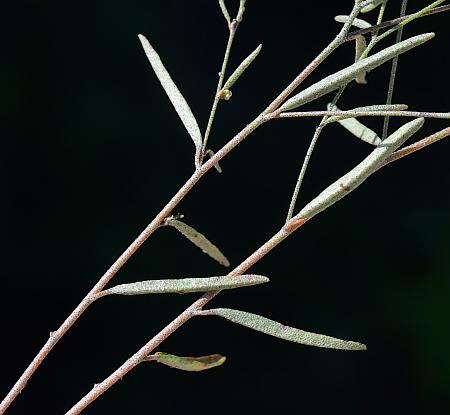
[199, 240]
[187, 285]
[190, 364]
[176, 98]
[273, 328]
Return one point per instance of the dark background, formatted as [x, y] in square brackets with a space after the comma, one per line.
[92, 150]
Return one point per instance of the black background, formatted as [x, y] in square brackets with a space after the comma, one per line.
[92, 150]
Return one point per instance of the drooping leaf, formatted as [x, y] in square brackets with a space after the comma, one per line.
[360, 47]
[344, 76]
[355, 177]
[273, 328]
[190, 364]
[241, 68]
[176, 98]
[187, 285]
[359, 23]
[358, 129]
[371, 6]
[199, 240]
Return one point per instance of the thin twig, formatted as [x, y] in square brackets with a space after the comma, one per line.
[390, 92]
[393, 22]
[232, 32]
[419, 145]
[351, 114]
[335, 43]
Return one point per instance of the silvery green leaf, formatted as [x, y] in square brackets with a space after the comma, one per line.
[357, 128]
[359, 23]
[273, 328]
[176, 98]
[199, 240]
[187, 285]
[190, 364]
[369, 108]
[360, 47]
[344, 76]
[371, 6]
[241, 68]
[355, 177]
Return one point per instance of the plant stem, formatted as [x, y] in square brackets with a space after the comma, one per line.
[186, 315]
[390, 92]
[233, 27]
[335, 43]
[117, 265]
[351, 114]
[393, 22]
[419, 145]
[301, 175]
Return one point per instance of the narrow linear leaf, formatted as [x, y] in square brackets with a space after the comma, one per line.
[368, 109]
[371, 6]
[359, 23]
[273, 328]
[358, 129]
[241, 68]
[360, 47]
[199, 240]
[355, 177]
[344, 76]
[190, 364]
[187, 285]
[176, 98]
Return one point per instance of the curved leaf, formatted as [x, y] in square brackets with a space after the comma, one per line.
[361, 172]
[187, 285]
[273, 328]
[176, 98]
[358, 129]
[344, 76]
[359, 23]
[372, 6]
[199, 240]
[360, 47]
[190, 364]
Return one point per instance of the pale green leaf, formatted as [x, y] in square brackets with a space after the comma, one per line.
[371, 6]
[344, 76]
[357, 128]
[199, 240]
[360, 47]
[241, 68]
[273, 328]
[350, 181]
[359, 23]
[190, 364]
[187, 285]
[176, 98]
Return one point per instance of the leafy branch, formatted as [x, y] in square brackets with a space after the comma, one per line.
[386, 151]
